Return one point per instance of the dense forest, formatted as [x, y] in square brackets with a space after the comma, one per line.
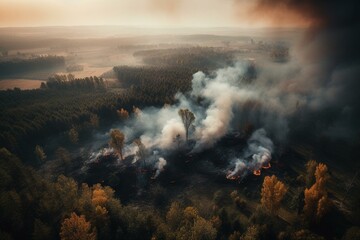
[159, 84]
[196, 57]
[52, 188]
[64, 101]
[23, 65]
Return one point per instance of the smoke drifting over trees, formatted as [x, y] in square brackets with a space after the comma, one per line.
[201, 136]
[328, 62]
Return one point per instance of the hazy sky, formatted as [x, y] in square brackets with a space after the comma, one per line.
[169, 13]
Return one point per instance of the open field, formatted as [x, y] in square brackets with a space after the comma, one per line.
[20, 83]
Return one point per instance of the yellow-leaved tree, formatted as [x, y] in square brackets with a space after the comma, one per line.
[123, 114]
[76, 228]
[117, 139]
[316, 198]
[272, 192]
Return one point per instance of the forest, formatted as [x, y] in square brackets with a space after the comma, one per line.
[198, 136]
[23, 65]
[194, 57]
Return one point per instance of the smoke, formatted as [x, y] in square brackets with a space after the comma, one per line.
[159, 166]
[328, 62]
[239, 171]
[222, 92]
[95, 156]
[222, 102]
[256, 156]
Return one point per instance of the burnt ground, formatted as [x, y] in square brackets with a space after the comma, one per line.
[194, 178]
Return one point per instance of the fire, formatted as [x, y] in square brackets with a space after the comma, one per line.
[231, 177]
[257, 172]
[267, 166]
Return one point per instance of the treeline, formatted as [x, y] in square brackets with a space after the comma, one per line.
[195, 57]
[32, 115]
[156, 83]
[69, 82]
[22, 65]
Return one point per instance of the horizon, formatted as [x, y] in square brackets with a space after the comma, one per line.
[145, 13]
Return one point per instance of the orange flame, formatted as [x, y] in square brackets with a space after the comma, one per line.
[232, 177]
[267, 166]
[257, 172]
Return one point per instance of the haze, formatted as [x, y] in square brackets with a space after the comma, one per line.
[179, 119]
[154, 13]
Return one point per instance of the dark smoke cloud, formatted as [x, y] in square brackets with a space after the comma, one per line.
[329, 57]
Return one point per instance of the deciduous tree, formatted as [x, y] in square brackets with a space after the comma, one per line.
[187, 118]
[272, 192]
[316, 199]
[174, 215]
[117, 141]
[76, 228]
[123, 114]
[39, 152]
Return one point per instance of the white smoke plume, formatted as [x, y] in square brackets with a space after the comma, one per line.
[239, 171]
[95, 156]
[223, 92]
[259, 149]
[223, 95]
[220, 103]
[159, 166]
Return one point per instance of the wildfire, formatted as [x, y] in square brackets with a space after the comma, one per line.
[257, 172]
[267, 166]
[230, 177]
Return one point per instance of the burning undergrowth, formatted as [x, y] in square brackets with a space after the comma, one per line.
[159, 140]
[256, 156]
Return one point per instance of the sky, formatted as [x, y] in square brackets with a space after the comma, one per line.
[158, 13]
